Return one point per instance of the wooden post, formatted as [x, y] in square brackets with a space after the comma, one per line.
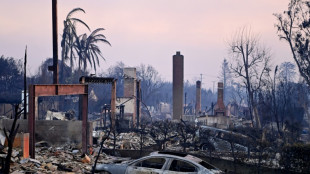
[31, 120]
[83, 114]
[113, 103]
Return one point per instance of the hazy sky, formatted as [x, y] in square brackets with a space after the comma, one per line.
[146, 31]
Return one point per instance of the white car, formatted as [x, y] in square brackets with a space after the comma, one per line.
[161, 163]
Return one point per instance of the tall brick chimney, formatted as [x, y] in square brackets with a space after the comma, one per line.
[178, 88]
[198, 97]
[130, 77]
[220, 109]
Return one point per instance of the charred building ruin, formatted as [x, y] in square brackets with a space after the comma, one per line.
[130, 89]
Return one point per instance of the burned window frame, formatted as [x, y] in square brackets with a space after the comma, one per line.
[135, 164]
[184, 161]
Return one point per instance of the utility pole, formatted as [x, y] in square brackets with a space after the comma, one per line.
[54, 67]
[25, 85]
[213, 86]
[185, 103]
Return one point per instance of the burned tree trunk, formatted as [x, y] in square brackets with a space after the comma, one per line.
[10, 138]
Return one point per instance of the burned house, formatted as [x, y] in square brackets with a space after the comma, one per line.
[219, 119]
[125, 111]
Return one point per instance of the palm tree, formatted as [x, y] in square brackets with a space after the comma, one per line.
[87, 49]
[69, 36]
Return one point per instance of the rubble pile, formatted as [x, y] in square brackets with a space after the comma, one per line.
[65, 159]
[65, 116]
[128, 141]
[174, 146]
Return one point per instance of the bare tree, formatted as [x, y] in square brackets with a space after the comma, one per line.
[287, 72]
[116, 71]
[205, 140]
[285, 88]
[294, 27]
[10, 138]
[107, 131]
[150, 83]
[250, 63]
[161, 132]
[10, 80]
[187, 134]
[143, 132]
[238, 96]
[271, 94]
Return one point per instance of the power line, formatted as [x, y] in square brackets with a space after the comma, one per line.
[208, 75]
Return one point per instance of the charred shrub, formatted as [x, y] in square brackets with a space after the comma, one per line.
[296, 158]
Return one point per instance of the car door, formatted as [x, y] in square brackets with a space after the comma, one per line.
[152, 165]
[181, 167]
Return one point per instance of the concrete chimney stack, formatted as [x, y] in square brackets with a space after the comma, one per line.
[198, 97]
[178, 88]
[130, 76]
[129, 81]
